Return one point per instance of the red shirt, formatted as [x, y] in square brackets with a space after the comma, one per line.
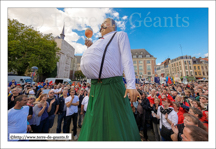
[151, 99]
[180, 117]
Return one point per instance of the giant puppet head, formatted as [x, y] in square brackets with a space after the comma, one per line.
[107, 26]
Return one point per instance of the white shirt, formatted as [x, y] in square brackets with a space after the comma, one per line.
[72, 109]
[172, 116]
[118, 58]
[162, 80]
[85, 102]
[17, 120]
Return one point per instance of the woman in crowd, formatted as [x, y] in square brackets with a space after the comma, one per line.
[188, 120]
[176, 107]
[167, 116]
[155, 121]
[44, 107]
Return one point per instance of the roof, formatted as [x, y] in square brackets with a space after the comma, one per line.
[78, 59]
[205, 59]
[139, 51]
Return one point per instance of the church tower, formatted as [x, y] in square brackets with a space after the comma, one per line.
[62, 34]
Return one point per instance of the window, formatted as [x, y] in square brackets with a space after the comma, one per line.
[176, 64]
[203, 73]
[134, 56]
[149, 73]
[148, 67]
[186, 67]
[140, 73]
[191, 73]
[190, 67]
[134, 62]
[180, 67]
[140, 62]
[172, 65]
[185, 62]
[202, 68]
[206, 73]
[206, 67]
[147, 55]
[198, 67]
[194, 67]
[140, 56]
[140, 67]
[189, 62]
[199, 73]
[148, 61]
[186, 72]
[195, 73]
[135, 73]
[177, 69]
[179, 63]
[135, 68]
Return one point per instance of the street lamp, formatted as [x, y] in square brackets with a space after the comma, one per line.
[34, 68]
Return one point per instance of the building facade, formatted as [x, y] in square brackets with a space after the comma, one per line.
[200, 67]
[163, 68]
[144, 63]
[182, 65]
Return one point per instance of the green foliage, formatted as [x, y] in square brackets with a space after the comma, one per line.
[79, 74]
[27, 48]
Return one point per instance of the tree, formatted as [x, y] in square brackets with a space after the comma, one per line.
[27, 48]
[78, 74]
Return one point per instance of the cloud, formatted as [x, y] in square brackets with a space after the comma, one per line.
[51, 20]
[206, 55]
[198, 54]
[125, 17]
[116, 15]
[158, 63]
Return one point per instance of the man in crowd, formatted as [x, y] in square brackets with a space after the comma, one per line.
[46, 83]
[62, 111]
[12, 83]
[17, 116]
[54, 109]
[11, 98]
[84, 104]
[80, 96]
[72, 103]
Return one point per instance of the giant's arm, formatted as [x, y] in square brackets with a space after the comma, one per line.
[127, 61]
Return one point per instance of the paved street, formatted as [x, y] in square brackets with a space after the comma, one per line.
[53, 130]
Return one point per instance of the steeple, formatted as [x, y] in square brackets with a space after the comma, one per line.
[62, 34]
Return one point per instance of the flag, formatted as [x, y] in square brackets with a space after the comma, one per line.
[173, 80]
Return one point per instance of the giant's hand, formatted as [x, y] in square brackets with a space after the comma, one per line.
[133, 94]
[88, 43]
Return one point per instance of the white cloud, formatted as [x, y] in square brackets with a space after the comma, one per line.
[124, 18]
[158, 63]
[116, 15]
[206, 55]
[198, 54]
[51, 20]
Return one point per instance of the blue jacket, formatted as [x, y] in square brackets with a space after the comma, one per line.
[157, 80]
[11, 84]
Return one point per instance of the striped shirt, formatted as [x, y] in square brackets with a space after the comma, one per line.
[118, 58]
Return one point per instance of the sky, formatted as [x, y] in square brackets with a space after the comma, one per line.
[163, 32]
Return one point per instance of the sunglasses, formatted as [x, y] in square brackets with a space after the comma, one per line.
[51, 92]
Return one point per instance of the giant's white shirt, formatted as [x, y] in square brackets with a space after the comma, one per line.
[118, 58]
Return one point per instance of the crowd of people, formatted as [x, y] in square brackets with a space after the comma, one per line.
[174, 112]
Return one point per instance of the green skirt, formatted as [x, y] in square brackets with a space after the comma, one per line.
[109, 116]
